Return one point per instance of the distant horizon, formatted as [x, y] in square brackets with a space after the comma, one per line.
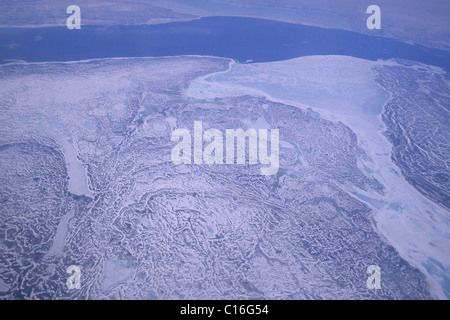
[208, 36]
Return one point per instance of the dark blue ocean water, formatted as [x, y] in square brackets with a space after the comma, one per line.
[239, 38]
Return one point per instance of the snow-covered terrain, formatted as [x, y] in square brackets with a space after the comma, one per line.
[343, 89]
[141, 227]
